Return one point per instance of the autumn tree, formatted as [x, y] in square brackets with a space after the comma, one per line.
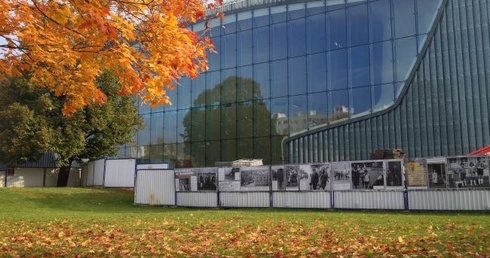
[67, 44]
[32, 124]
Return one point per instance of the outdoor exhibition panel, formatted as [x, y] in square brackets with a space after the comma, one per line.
[119, 172]
[371, 200]
[197, 199]
[461, 199]
[154, 187]
[302, 200]
[244, 199]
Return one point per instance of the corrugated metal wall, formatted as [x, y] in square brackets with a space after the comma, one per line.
[245, 199]
[449, 200]
[301, 200]
[26, 177]
[197, 199]
[378, 200]
[119, 172]
[99, 167]
[155, 187]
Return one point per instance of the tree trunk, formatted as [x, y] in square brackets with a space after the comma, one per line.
[63, 176]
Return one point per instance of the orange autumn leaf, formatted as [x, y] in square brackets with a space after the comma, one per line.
[66, 44]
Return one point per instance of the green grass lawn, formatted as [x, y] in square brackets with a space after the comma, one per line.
[90, 222]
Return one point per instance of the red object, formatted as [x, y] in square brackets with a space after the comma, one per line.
[482, 151]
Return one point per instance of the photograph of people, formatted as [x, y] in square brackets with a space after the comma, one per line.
[367, 174]
[341, 175]
[314, 177]
[278, 178]
[394, 175]
[206, 179]
[468, 172]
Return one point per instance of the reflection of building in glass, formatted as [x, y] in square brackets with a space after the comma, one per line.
[406, 74]
[303, 120]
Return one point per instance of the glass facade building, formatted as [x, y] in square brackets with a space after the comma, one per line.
[332, 80]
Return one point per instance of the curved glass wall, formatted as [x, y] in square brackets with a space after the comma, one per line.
[285, 69]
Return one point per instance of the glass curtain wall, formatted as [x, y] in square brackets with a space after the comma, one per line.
[285, 69]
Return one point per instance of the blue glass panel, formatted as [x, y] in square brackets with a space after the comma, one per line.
[279, 120]
[278, 14]
[198, 87]
[317, 73]
[338, 105]
[228, 121]
[184, 93]
[296, 38]
[228, 51]
[170, 127]
[245, 87]
[156, 128]
[404, 18]
[336, 29]
[315, 33]
[426, 12]
[406, 53]
[279, 78]
[380, 20]
[143, 108]
[318, 108]
[214, 59]
[298, 115]
[261, 44]
[361, 100]
[213, 122]
[262, 78]
[182, 117]
[382, 66]
[215, 26]
[244, 20]
[261, 17]
[213, 79]
[359, 66]
[357, 21]
[262, 118]
[229, 24]
[229, 79]
[244, 45]
[383, 96]
[279, 41]
[297, 75]
[337, 69]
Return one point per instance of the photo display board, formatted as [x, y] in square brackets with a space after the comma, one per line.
[341, 175]
[416, 173]
[316, 177]
[468, 172]
[255, 178]
[229, 179]
[292, 176]
[196, 179]
[278, 174]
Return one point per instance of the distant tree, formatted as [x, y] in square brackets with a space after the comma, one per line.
[232, 110]
[32, 124]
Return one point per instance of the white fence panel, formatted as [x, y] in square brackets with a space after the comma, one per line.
[449, 200]
[152, 166]
[197, 199]
[119, 172]
[2, 178]
[155, 187]
[99, 170]
[245, 199]
[302, 200]
[88, 174]
[26, 177]
[384, 200]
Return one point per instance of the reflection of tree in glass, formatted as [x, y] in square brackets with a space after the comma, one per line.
[224, 124]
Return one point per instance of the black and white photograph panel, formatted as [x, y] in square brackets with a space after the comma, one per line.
[229, 179]
[255, 178]
[468, 172]
[293, 176]
[341, 175]
[183, 179]
[207, 179]
[316, 178]
[278, 178]
[367, 175]
[437, 175]
[394, 174]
